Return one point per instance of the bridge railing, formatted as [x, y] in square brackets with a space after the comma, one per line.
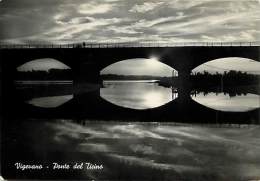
[4, 45]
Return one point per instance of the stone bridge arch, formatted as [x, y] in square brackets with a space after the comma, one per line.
[86, 63]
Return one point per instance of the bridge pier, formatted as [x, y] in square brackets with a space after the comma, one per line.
[86, 78]
[184, 89]
[87, 72]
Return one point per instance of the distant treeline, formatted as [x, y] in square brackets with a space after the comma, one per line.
[230, 94]
[52, 74]
[163, 81]
[231, 78]
[131, 77]
[204, 79]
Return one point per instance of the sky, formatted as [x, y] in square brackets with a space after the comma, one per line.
[57, 21]
[42, 64]
[227, 64]
[150, 67]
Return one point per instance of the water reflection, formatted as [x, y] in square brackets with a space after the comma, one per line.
[45, 94]
[137, 94]
[153, 150]
[228, 102]
[50, 102]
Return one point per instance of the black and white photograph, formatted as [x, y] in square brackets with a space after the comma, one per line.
[130, 90]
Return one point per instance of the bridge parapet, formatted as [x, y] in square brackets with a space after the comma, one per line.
[4, 45]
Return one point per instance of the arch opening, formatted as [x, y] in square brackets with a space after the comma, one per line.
[227, 84]
[138, 83]
[45, 83]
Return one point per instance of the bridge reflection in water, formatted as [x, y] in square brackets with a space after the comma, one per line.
[136, 101]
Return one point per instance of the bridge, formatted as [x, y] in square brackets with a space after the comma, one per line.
[87, 60]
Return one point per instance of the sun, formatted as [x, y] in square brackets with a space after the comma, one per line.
[153, 62]
[153, 58]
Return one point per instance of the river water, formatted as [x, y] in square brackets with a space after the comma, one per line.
[142, 94]
[225, 102]
[135, 94]
[136, 151]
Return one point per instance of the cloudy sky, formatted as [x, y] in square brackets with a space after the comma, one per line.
[129, 20]
[42, 64]
[150, 67]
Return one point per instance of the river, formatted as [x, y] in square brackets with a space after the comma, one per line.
[142, 94]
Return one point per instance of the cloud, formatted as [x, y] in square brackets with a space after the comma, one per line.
[63, 20]
[143, 23]
[112, 0]
[125, 21]
[145, 7]
[95, 8]
[123, 29]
